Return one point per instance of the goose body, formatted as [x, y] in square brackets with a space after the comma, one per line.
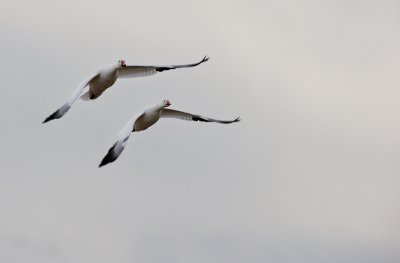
[145, 119]
[105, 78]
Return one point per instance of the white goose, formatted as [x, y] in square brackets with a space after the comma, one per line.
[106, 77]
[148, 117]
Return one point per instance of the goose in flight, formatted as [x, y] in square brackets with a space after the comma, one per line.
[106, 77]
[148, 117]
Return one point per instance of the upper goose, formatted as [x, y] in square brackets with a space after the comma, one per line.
[148, 117]
[106, 77]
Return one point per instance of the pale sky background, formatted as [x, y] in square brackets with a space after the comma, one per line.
[311, 174]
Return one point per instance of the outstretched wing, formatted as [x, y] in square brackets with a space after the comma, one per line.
[64, 108]
[114, 152]
[144, 71]
[117, 148]
[169, 113]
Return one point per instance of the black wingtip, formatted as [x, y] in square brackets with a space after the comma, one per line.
[110, 157]
[237, 119]
[58, 113]
[46, 120]
[55, 115]
[201, 61]
[104, 162]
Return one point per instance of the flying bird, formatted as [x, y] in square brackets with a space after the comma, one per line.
[148, 117]
[107, 76]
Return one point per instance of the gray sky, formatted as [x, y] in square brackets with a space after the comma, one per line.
[311, 174]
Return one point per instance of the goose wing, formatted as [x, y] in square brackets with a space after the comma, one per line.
[132, 71]
[122, 139]
[64, 108]
[169, 113]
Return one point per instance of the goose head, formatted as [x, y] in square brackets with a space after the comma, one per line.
[121, 63]
[166, 103]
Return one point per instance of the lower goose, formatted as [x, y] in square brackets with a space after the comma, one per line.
[148, 117]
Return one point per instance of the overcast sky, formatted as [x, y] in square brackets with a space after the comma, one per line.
[310, 174]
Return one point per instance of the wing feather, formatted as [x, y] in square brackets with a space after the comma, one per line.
[122, 139]
[132, 71]
[65, 108]
[169, 113]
